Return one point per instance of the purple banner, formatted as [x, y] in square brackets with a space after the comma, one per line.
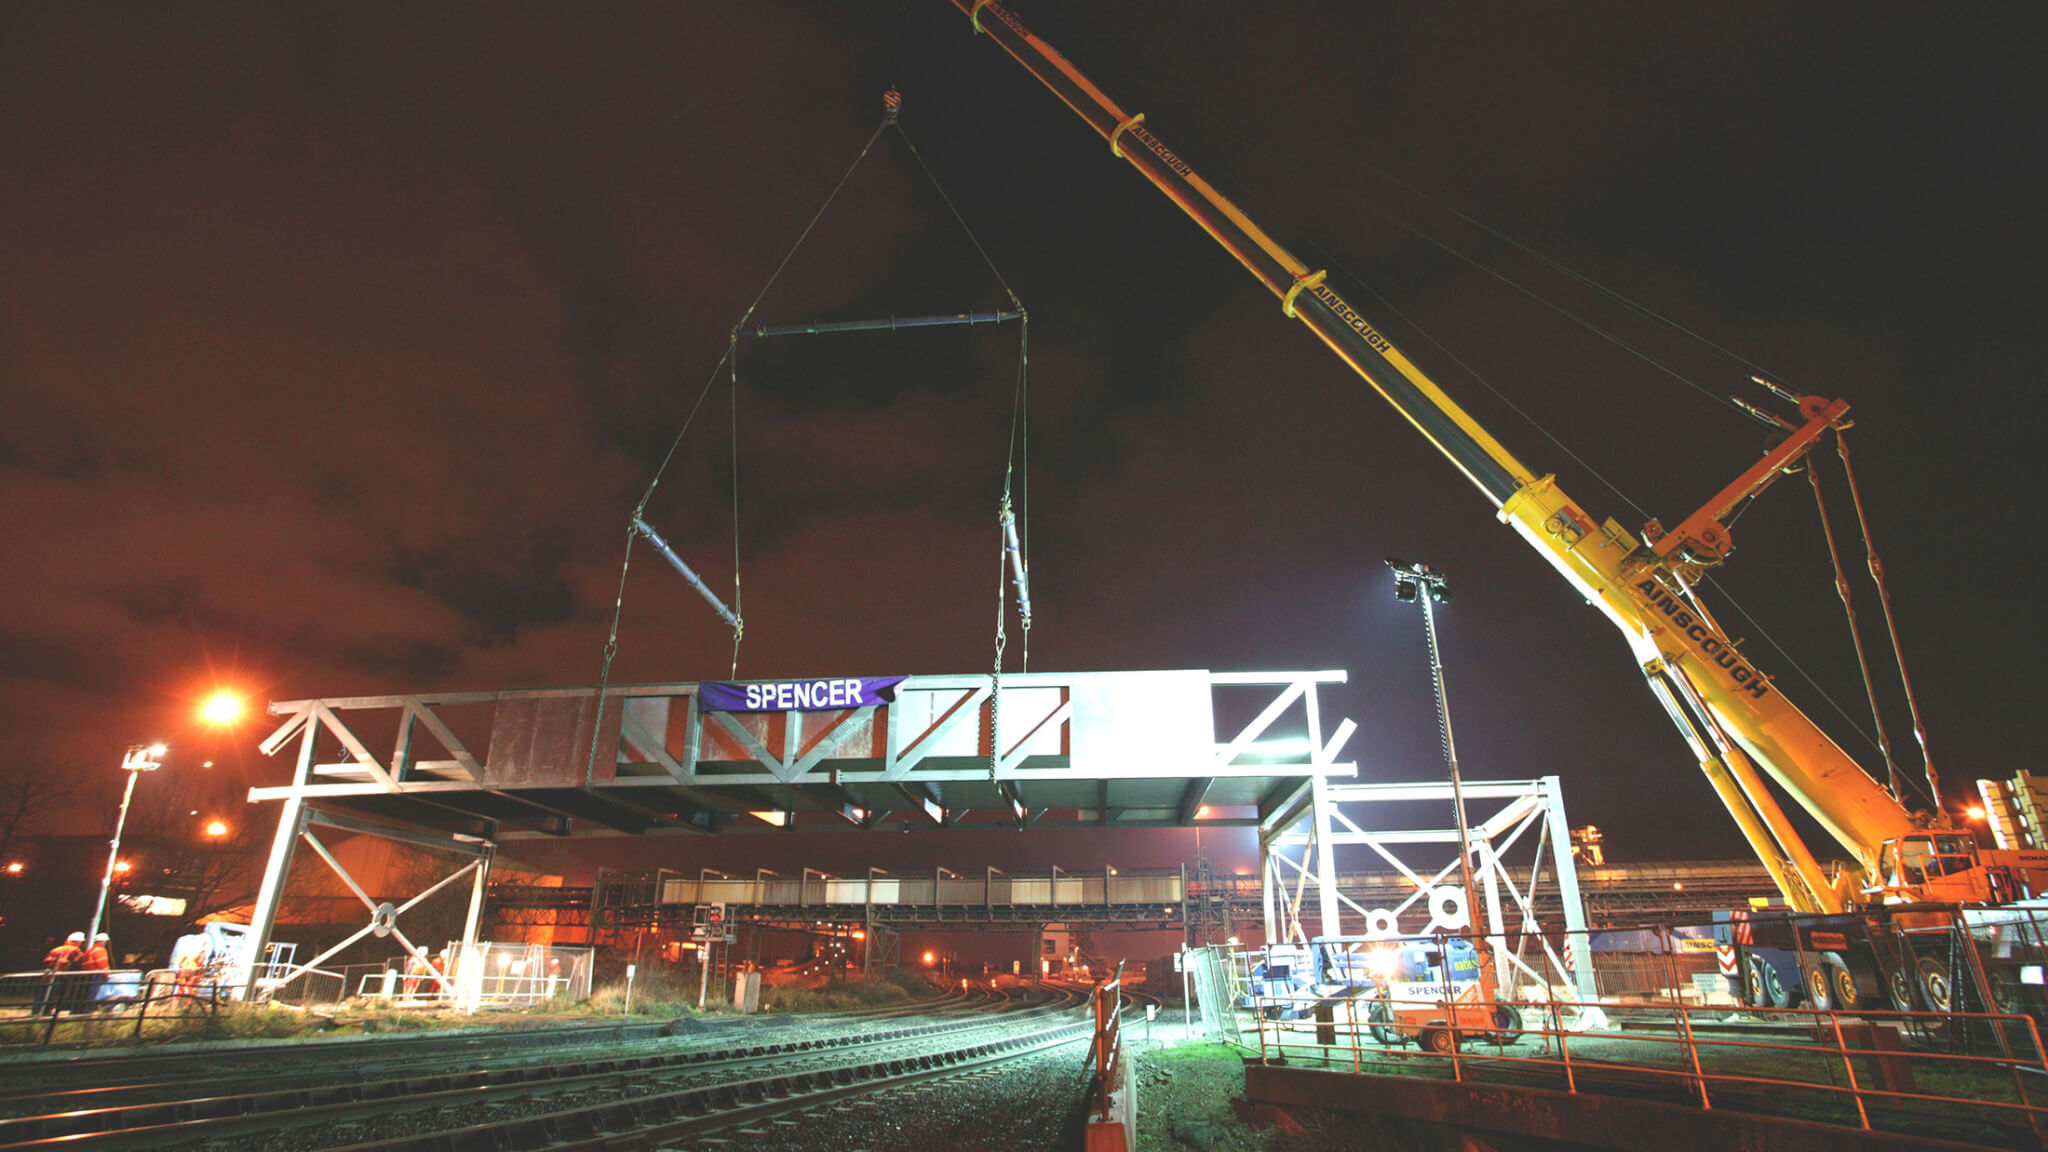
[799, 695]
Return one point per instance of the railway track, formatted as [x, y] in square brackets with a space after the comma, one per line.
[620, 1087]
[132, 1078]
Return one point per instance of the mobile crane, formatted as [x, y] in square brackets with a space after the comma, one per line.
[1909, 871]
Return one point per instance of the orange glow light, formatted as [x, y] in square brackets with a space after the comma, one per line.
[216, 829]
[14, 867]
[121, 866]
[221, 708]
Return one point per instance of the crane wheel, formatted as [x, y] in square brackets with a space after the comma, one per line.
[1899, 986]
[2003, 998]
[1847, 996]
[1764, 988]
[1819, 989]
[1507, 1023]
[1441, 1041]
[1934, 982]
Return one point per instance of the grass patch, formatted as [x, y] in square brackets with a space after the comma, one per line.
[658, 992]
[892, 987]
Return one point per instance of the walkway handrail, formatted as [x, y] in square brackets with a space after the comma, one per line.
[1989, 1047]
[1107, 1049]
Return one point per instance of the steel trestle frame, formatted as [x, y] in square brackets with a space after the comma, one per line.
[1296, 859]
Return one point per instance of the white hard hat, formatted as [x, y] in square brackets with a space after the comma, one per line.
[100, 937]
[75, 938]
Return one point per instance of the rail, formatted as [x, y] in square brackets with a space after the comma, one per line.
[1957, 1075]
[1107, 1049]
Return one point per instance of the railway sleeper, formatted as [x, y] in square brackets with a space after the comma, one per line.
[524, 1136]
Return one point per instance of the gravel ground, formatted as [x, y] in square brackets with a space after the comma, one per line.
[394, 1124]
[1191, 1099]
[1033, 1104]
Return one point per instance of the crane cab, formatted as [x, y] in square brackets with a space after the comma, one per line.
[1939, 868]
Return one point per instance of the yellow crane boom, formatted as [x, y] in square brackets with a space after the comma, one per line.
[1730, 711]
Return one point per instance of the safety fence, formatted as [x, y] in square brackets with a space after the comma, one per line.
[1974, 1077]
[1107, 1048]
[43, 1007]
[465, 977]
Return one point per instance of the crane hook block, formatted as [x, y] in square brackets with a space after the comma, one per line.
[892, 103]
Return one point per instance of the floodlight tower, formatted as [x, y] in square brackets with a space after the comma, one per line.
[138, 759]
[1415, 582]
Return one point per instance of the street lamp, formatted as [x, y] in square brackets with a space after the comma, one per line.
[221, 708]
[139, 758]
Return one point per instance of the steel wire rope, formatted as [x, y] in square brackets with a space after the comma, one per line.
[1611, 294]
[1020, 399]
[730, 357]
[1719, 589]
[1011, 471]
[1261, 147]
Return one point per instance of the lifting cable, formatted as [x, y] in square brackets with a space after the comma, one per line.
[1643, 312]
[1014, 553]
[1014, 526]
[637, 524]
[1884, 599]
[1827, 532]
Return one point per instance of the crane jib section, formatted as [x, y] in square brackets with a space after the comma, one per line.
[1483, 460]
[1645, 593]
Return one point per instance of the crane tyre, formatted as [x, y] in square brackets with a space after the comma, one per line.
[1507, 1022]
[1765, 989]
[1820, 991]
[1438, 1040]
[2003, 997]
[1847, 995]
[1898, 985]
[1935, 984]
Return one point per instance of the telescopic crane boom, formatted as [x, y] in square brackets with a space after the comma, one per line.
[1728, 710]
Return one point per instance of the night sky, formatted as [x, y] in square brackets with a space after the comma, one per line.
[338, 342]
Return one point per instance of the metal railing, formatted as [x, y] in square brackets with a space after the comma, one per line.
[1963, 1073]
[1106, 1051]
[34, 1004]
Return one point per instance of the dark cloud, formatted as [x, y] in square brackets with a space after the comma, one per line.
[336, 346]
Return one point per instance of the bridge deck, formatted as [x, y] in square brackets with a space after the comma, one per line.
[1090, 749]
